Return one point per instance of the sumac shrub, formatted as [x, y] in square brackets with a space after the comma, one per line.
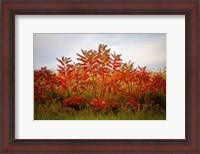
[100, 81]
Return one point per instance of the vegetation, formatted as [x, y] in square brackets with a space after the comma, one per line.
[100, 86]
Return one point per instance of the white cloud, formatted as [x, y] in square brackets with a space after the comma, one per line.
[143, 49]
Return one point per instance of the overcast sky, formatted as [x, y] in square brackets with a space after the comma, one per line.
[143, 49]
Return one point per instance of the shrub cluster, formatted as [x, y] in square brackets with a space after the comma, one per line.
[102, 82]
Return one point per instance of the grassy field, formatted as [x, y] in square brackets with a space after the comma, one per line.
[56, 111]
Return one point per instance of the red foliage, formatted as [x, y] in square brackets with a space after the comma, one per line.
[158, 84]
[45, 81]
[99, 105]
[75, 102]
[102, 74]
[133, 105]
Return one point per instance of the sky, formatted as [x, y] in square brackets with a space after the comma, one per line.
[142, 49]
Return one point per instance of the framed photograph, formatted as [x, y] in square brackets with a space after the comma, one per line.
[100, 76]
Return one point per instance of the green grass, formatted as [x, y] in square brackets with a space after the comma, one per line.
[56, 111]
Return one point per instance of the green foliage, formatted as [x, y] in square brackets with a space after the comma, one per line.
[56, 111]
